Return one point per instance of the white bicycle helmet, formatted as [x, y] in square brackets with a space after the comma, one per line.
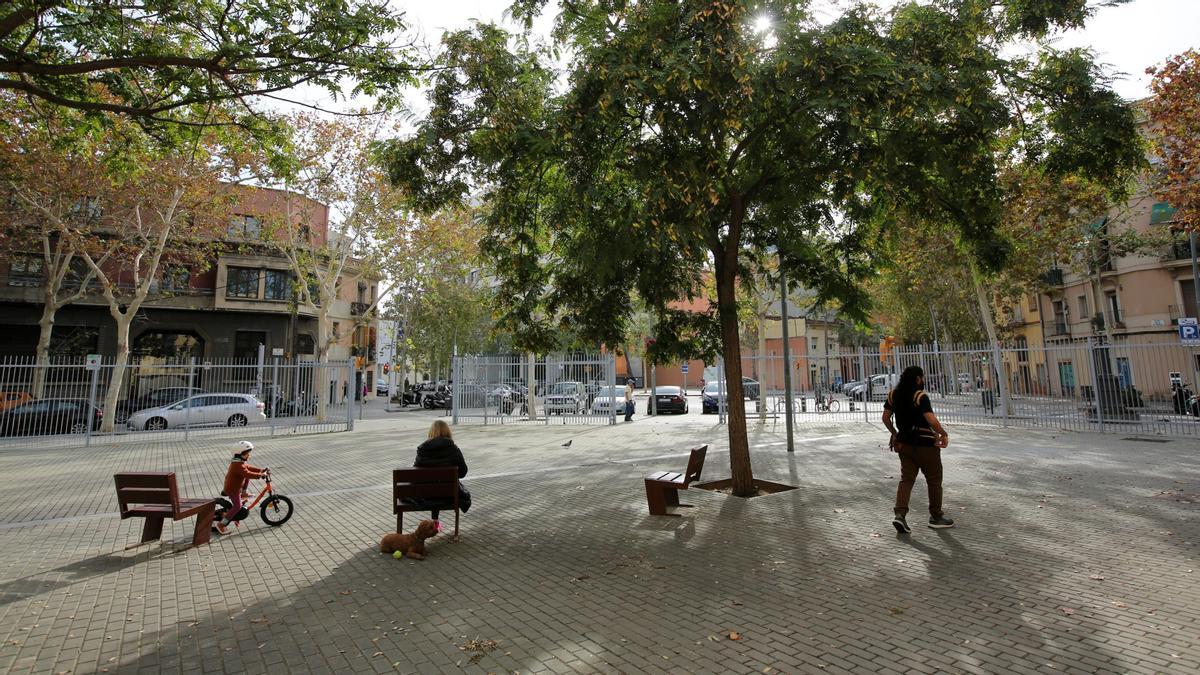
[244, 446]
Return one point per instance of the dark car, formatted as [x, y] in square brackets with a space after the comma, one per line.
[156, 398]
[50, 416]
[670, 400]
[749, 388]
[712, 397]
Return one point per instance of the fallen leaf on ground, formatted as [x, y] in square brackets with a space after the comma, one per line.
[734, 635]
[1120, 605]
[1096, 577]
[875, 535]
[1066, 610]
[839, 510]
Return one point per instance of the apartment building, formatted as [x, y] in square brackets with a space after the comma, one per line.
[239, 302]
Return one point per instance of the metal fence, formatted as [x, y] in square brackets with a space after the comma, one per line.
[73, 401]
[1085, 385]
[522, 389]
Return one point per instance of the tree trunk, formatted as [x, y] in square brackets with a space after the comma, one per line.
[45, 330]
[117, 380]
[324, 369]
[989, 326]
[739, 446]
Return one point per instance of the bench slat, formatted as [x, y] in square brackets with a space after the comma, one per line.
[443, 490]
[146, 495]
[143, 479]
[667, 477]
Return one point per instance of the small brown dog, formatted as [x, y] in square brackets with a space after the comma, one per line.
[411, 545]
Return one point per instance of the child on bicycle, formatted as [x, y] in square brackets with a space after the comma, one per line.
[237, 478]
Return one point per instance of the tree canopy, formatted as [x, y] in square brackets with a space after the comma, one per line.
[152, 60]
[683, 142]
[1175, 111]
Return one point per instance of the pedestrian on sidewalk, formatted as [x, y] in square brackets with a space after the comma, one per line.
[440, 450]
[918, 437]
[629, 400]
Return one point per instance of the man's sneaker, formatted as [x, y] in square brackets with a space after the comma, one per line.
[940, 523]
[901, 525]
[222, 529]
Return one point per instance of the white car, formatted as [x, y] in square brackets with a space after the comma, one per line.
[609, 400]
[566, 397]
[234, 410]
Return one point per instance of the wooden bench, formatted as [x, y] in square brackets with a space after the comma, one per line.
[440, 483]
[155, 497]
[662, 487]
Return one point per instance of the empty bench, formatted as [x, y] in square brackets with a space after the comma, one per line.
[155, 497]
[662, 487]
[431, 489]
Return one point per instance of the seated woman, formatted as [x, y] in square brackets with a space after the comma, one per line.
[440, 450]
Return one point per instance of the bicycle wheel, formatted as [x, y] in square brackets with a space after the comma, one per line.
[276, 510]
[834, 406]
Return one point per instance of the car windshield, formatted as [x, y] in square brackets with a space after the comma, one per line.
[712, 388]
[666, 391]
[563, 388]
[611, 391]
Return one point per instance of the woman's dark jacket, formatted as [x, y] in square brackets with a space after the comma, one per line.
[443, 452]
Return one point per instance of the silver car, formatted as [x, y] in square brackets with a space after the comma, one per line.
[234, 410]
[609, 400]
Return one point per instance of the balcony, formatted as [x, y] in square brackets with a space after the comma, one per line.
[1014, 319]
[360, 309]
[1052, 277]
[1177, 250]
[1059, 328]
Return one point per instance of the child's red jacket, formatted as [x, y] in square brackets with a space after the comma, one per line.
[239, 471]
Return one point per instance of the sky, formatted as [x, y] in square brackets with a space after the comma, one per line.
[1127, 38]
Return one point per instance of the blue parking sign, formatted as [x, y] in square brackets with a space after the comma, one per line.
[1189, 332]
[683, 368]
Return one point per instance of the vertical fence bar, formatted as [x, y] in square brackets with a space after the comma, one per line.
[862, 371]
[349, 400]
[91, 415]
[1001, 383]
[1091, 359]
[612, 388]
[721, 390]
[275, 389]
[456, 388]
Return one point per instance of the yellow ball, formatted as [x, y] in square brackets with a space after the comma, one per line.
[398, 555]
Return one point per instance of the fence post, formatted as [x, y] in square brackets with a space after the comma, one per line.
[275, 391]
[349, 394]
[187, 416]
[862, 371]
[87, 438]
[258, 375]
[1001, 383]
[1091, 348]
[612, 388]
[455, 388]
[722, 390]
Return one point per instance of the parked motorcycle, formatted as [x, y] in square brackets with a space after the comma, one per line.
[303, 405]
[438, 399]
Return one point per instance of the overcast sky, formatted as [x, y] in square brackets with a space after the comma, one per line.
[1127, 38]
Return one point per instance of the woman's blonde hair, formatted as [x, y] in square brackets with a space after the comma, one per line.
[440, 430]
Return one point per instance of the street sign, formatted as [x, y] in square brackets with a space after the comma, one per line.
[277, 351]
[683, 368]
[1189, 332]
[93, 362]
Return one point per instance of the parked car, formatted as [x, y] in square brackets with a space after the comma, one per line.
[155, 398]
[749, 388]
[712, 397]
[608, 401]
[470, 395]
[12, 399]
[566, 398]
[50, 416]
[965, 383]
[874, 389]
[382, 387]
[670, 400]
[235, 410]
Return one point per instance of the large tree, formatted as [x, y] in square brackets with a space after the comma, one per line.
[1175, 113]
[685, 141]
[153, 60]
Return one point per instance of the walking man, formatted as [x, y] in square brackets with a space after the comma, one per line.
[918, 438]
[628, 400]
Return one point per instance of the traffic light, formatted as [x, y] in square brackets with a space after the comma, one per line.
[386, 367]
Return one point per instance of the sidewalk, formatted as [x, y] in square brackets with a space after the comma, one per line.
[1074, 553]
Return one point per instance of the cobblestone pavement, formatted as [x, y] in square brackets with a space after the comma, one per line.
[1073, 553]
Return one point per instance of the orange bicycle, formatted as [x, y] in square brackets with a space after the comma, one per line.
[275, 509]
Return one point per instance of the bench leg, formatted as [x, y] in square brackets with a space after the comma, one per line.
[152, 529]
[671, 497]
[400, 522]
[456, 524]
[204, 521]
[656, 499]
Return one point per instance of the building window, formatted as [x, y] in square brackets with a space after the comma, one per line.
[813, 345]
[305, 344]
[241, 282]
[246, 343]
[169, 345]
[25, 270]
[1114, 307]
[1032, 301]
[278, 285]
[176, 278]
[1083, 307]
[245, 227]
[74, 340]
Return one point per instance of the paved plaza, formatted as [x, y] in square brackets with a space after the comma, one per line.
[1073, 553]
